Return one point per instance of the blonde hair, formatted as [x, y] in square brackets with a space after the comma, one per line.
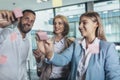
[94, 16]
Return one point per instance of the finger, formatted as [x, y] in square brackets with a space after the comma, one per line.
[3, 14]
[49, 42]
[34, 52]
[12, 17]
[37, 51]
[7, 16]
[36, 55]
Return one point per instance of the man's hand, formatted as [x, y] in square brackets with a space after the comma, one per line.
[6, 18]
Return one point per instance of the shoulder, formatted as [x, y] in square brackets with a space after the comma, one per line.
[107, 46]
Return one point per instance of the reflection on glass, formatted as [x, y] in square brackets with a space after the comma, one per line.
[110, 14]
[33, 38]
[42, 20]
[72, 13]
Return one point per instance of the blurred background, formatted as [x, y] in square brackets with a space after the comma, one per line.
[109, 11]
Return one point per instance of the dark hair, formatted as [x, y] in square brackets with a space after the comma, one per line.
[65, 23]
[28, 10]
[94, 16]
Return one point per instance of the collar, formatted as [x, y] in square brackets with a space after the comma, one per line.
[95, 42]
[18, 32]
[61, 41]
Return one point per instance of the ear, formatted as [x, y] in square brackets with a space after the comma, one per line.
[96, 24]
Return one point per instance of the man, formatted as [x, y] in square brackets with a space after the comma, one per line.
[14, 45]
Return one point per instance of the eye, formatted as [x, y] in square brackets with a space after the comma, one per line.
[60, 23]
[32, 21]
[84, 23]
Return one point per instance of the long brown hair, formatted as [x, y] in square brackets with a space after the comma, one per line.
[94, 16]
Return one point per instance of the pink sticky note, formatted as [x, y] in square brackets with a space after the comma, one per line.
[17, 12]
[13, 37]
[42, 35]
[3, 59]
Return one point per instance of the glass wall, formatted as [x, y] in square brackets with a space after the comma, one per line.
[110, 14]
[41, 23]
[108, 10]
[72, 13]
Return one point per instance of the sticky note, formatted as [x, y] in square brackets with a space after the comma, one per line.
[56, 3]
[3, 59]
[17, 12]
[42, 35]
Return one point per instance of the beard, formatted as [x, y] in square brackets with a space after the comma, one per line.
[22, 28]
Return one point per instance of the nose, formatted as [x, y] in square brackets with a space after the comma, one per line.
[29, 21]
[56, 25]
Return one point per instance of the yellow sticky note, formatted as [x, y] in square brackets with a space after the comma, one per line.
[56, 3]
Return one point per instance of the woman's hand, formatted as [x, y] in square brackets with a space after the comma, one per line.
[41, 47]
[38, 55]
[46, 47]
[49, 49]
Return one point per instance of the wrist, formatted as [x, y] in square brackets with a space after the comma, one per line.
[49, 55]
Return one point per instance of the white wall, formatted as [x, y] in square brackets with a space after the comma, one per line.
[32, 4]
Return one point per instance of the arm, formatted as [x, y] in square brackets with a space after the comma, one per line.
[39, 60]
[112, 66]
[6, 18]
[61, 59]
[64, 57]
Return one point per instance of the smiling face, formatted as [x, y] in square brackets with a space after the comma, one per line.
[58, 26]
[87, 26]
[26, 22]
[91, 26]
